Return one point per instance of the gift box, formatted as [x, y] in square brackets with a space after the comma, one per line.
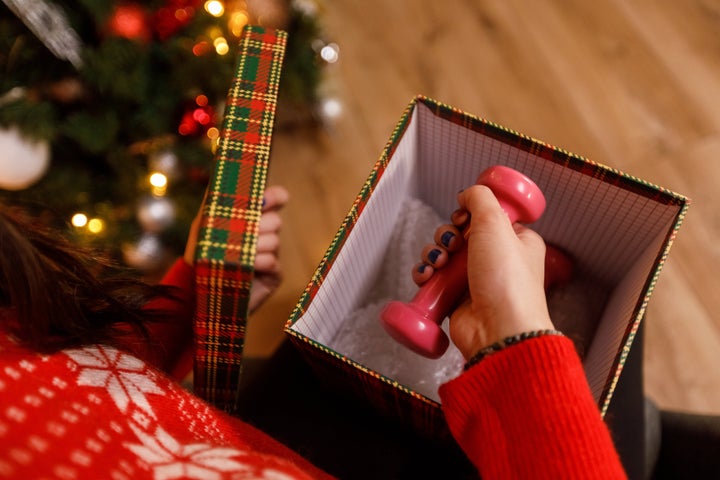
[617, 230]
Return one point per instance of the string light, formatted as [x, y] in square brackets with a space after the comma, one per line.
[213, 133]
[95, 225]
[158, 184]
[221, 46]
[214, 8]
[237, 21]
[79, 220]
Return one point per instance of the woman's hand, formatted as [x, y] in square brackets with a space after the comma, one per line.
[505, 272]
[268, 273]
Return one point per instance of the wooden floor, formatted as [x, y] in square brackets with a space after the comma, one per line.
[633, 85]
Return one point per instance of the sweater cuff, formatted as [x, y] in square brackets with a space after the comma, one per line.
[506, 381]
[527, 408]
[513, 374]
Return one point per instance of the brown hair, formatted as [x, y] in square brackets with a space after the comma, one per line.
[55, 294]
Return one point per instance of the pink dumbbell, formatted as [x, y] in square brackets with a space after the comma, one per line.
[416, 324]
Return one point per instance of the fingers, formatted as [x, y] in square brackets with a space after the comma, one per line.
[460, 218]
[268, 242]
[275, 197]
[421, 273]
[268, 269]
[479, 213]
[266, 262]
[447, 239]
[484, 210]
[270, 221]
[433, 256]
[490, 222]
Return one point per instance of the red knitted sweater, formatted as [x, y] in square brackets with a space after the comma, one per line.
[109, 412]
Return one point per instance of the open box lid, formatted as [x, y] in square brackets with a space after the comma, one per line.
[227, 240]
[620, 227]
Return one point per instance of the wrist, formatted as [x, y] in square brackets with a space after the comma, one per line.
[518, 323]
[491, 328]
[507, 342]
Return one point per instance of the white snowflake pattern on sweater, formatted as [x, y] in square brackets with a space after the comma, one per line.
[168, 459]
[126, 378]
[100, 409]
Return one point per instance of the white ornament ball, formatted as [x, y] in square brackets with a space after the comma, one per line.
[155, 214]
[146, 254]
[22, 161]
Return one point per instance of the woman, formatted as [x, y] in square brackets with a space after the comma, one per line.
[86, 363]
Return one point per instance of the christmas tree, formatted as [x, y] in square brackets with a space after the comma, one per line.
[109, 110]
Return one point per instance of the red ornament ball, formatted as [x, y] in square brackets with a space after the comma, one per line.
[130, 20]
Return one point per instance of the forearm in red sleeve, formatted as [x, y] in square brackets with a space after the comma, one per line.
[527, 412]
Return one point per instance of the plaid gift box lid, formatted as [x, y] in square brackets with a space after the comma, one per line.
[618, 229]
[226, 246]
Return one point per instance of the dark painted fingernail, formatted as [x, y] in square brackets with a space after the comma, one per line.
[421, 268]
[446, 238]
[264, 202]
[433, 255]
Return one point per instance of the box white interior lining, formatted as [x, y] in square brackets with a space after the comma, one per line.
[358, 263]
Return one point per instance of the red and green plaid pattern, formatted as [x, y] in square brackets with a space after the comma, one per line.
[226, 246]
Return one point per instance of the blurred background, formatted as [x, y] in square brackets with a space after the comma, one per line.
[632, 85]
